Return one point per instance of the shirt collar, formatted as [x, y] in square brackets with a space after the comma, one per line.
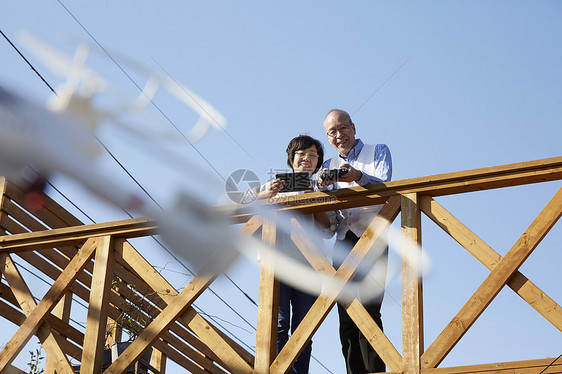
[354, 153]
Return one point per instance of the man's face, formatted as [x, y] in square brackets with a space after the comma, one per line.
[340, 132]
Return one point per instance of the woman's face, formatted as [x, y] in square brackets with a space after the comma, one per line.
[306, 159]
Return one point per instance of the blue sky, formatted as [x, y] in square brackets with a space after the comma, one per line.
[447, 85]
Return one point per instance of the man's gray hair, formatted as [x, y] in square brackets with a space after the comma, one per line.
[340, 111]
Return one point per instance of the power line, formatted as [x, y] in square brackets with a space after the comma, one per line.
[28, 63]
[143, 189]
[77, 301]
[142, 91]
[129, 174]
[383, 83]
[183, 135]
[203, 108]
[552, 363]
[132, 177]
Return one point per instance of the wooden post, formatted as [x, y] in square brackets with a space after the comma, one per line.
[2, 197]
[47, 337]
[94, 338]
[46, 305]
[114, 332]
[492, 285]
[327, 299]
[412, 301]
[235, 357]
[62, 310]
[356, 310]
[268, 306]
[160, 325]
[158, 361]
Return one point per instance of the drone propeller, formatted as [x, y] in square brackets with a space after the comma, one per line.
[76, 94]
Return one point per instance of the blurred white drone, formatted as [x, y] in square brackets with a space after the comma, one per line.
[76, 94]
[61, 139]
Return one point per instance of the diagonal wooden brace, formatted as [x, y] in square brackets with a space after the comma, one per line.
[46, 336]
[46, 305]
[492, 285]
[327, 299]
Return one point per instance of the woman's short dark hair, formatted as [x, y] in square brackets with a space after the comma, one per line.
[300, 143]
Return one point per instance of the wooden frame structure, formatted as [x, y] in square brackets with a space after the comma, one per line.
[97, 264]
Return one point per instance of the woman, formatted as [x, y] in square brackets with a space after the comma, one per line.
[304, 154]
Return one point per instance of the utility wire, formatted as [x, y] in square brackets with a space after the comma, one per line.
[129, 174]
[218, 123]
[70, 201]
[77, 301]
[383, 84]
[145, 191]
[552, 363]
[142, 91]
[25, 59]
[132, 177]
[123, 167]
[173, 124]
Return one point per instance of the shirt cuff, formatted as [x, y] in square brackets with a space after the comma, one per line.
[363, 180]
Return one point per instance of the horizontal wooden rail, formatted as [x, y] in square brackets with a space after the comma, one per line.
[129, 228]
[188, 339]
[544, 365]
[517, 174]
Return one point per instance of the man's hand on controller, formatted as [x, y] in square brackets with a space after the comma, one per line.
[352, 175]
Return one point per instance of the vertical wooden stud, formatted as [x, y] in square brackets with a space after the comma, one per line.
[94, 338]
[412, 300]
[268, 306]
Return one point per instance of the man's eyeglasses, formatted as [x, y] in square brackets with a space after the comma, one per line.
[342, 128]
[302, 154]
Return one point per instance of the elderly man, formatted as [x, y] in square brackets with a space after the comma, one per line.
[365, 164]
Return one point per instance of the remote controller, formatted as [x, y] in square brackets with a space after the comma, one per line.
[334, 174]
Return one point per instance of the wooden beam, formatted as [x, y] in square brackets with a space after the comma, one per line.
[200, 353]
[230, 353]
[160, 324]
[372, 332]
[528, 291]
[2, 199]
[181, 359]
[436, 185]
[158, 361]
[376, 337]
[27, 303]
[43, 309]
[114, 332]
[540, 366]
[53, 272]
[94, 338]
[24, 219]
[17, 318]
[268, 304]
[209, 335]
[197, 357]
[62, 311]
[412, 294]
[314, 255]
[193, 320]
[13, 370]
[129, 228]
[52, 213]
[492, 285]
[327, 299]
